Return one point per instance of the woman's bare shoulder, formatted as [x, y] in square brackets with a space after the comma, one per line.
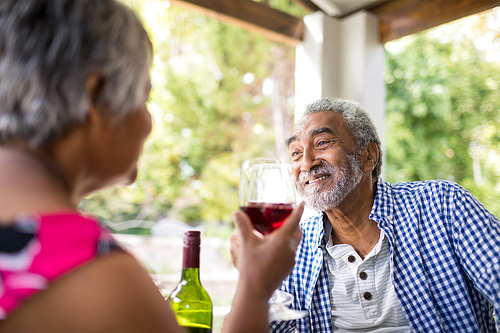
[109, 294]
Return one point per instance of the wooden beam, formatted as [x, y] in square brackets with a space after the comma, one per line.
[250, 15]
[398, 18]
[308, 5]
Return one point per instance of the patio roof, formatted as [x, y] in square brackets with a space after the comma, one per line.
[397, 18]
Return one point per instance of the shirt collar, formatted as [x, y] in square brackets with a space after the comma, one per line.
[383, 205]
[382, 210]
[315, 226]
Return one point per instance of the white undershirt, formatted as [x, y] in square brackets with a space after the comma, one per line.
[362, 295]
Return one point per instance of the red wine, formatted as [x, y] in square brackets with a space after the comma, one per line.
[267, 217]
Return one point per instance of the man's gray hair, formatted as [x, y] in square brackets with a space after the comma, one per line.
[357, 121]
[48, 49]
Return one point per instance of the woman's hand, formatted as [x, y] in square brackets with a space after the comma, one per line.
[264, 261]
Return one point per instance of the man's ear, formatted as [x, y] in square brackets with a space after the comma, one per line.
[370, 156]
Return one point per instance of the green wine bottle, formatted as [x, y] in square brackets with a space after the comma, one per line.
[189, 300]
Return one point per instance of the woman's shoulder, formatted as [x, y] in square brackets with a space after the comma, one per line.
[36, 250]
[71, 239]
[111, 293]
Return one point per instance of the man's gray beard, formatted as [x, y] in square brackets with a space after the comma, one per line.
[348, 174]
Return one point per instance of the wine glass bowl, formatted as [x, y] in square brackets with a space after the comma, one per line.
[267, 217]
[266, 193]
[267, 196]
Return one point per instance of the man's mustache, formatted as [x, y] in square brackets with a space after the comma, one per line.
[323, 168]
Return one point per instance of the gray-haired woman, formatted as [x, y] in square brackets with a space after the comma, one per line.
[74, 81]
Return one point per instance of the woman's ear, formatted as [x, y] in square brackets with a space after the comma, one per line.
[370, 156]
[94, 86]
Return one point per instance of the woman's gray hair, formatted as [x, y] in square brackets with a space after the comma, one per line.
[357, 120]
[48, 49]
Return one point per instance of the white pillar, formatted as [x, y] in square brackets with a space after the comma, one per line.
[343, 58]
[316, 61]
[362, 65]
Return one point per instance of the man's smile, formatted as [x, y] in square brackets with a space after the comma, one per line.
[317, 179]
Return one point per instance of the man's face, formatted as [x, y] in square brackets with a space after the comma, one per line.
[324, 163]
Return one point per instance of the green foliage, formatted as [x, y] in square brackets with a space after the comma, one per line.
[443, 111]
[286, 6]
[207, 102]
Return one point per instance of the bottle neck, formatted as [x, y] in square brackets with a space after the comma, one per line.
[191, 274]
[191, 263]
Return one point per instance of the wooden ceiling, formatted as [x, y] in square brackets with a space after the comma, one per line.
[397, 18]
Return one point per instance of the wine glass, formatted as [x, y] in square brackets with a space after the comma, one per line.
[267, 195]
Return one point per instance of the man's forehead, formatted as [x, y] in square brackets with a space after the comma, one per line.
[320, 119]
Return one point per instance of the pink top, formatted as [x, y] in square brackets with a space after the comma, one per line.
[35, 251]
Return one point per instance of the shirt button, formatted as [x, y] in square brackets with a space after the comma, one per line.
[363, 276]
[367, 296]
[351, 259]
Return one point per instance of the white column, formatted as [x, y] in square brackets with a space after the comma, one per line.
[316, 61]
[343, 58]
[362, 65]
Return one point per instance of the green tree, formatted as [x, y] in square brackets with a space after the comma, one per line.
[443, 108]
[212, 108]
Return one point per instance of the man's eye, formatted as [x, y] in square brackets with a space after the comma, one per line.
[321, 143]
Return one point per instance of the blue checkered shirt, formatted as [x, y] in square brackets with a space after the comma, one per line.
[444, 256]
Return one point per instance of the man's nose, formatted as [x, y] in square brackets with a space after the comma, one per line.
[309, 160]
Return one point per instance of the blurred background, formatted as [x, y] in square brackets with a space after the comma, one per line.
[222, 94]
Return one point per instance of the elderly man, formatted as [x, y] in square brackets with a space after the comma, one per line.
[381, 257]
